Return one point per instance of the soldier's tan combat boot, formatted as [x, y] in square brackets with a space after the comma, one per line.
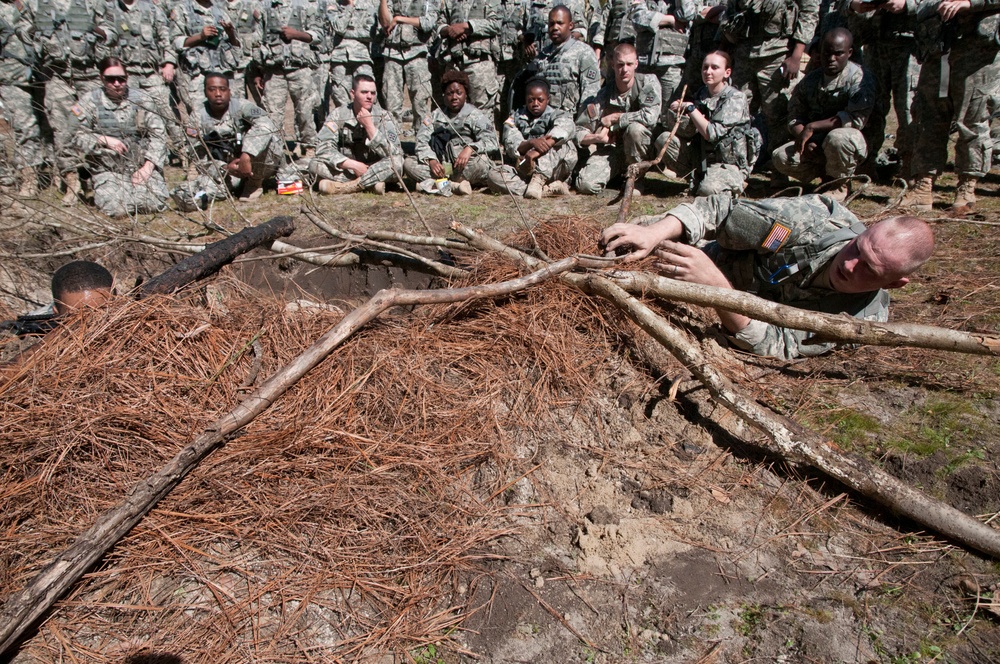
[73, 191]
[29, 183]
[920, 195]
[965, 197]
[334, 188]
[534, 190]
[557, 188]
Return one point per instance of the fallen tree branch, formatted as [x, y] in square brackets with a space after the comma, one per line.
[827, 327]
[21, 611]
[790, 440]
[215, 256]
[432, 265]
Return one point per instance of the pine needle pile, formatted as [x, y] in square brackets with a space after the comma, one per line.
[348, 520]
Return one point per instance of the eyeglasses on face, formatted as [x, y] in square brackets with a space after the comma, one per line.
[120, 80]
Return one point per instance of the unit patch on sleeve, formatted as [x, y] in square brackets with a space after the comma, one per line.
[776, 237]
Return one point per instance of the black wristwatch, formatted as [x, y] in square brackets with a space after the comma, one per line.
[689, 108]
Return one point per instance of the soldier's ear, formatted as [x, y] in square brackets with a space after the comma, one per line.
[899, 283]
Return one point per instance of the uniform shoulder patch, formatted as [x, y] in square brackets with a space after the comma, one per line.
[331, 125]
[592, 74]
[776, 237]
[253, 111]
[427, 121]
[192, 132]
[510, 121]
[76, 110]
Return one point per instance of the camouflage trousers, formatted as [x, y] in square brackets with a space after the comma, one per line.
[975, 77]
[156, 88]
[19, 110]
[191, 87]
[607, 161]
[116, 196]
[556, 164]
[767, 91]
[683, 156]
[840, 153]
[896, 71]
[342, 79]
[213, 181]
[300, 85]
[485, 94]
[383, 170]
[323, 91]
[476, 171]
[61, 96]
[670, 78]
[417, 77]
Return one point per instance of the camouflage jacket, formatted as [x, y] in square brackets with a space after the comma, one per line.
[244, 127]
[143, 36]
[484, 19]
[656, 46]
[572, 72]
[406, 42]
[469, 127]
[778, 248]
[588, 21]
[135, 120]
[248, 19]
[850, 96]
[641, 104]
[352, 28]
[764, 27]
[65, 35]
[187, 18]
[308, 16]
[342, 137]
[728, 115]
[520, 126]
[17, 42]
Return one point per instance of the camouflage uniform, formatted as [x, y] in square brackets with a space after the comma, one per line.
[640, 107]
[556, 164]
[244, 128]
[247, 16]
[618, 27]
[572, 72]
[723, 162]
[587, 15]
[442, 137]
[661, 50]
[405, 53]
[760, 32]
[289, 69]
[974, 82]
[351, 27]
[753, 255]
[187, 18]
[137, 122]
[17, 57]
[342, 137]
[143, 46]
[889, 53]
[64, 33]
[850, 96]
[474, 56]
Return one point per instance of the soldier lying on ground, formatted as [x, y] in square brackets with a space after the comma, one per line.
[122, 134]
[237, 146]
[810, 252]
[358, 145]
[539, 139]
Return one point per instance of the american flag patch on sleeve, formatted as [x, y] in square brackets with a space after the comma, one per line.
[776, 237]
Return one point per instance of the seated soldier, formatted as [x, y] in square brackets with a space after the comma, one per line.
[538, 138]
[80, 284]
[123, 136]
[616, 127]
[809, 251]
[236, 144]
[460, 135]
[715, 140]
[828, 109]
[358, 145]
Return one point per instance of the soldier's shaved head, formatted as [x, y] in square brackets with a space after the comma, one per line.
[625, 48]
[883, 256]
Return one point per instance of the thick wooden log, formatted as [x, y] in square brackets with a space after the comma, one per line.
[214, 256]
[24, 609]
[790, 440]
[838, 328]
